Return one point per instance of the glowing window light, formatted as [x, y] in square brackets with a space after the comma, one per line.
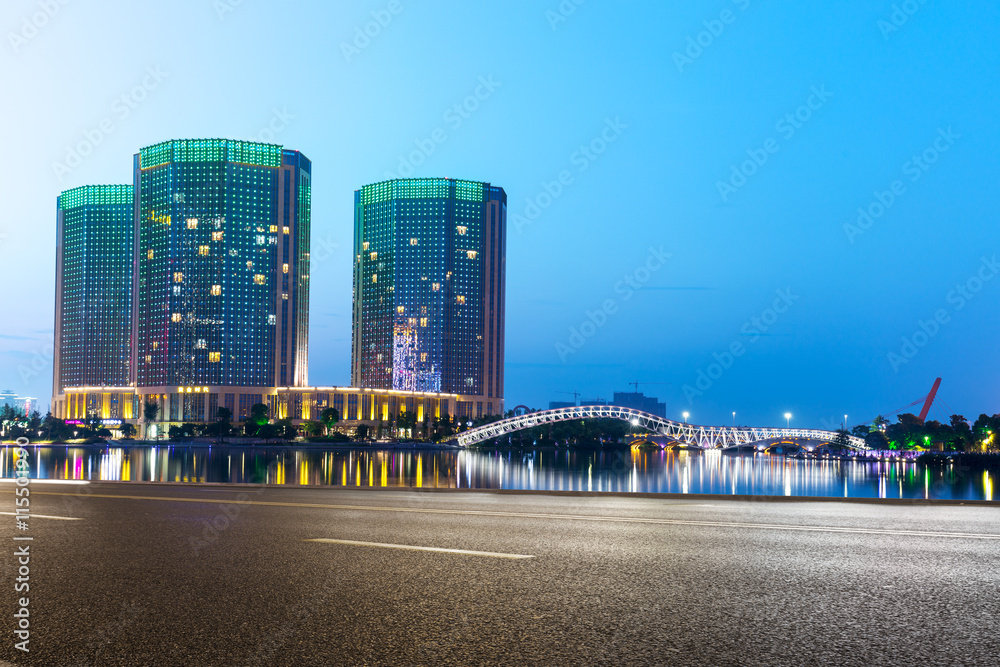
[178, 277]
[216, 290]
[214, 357]
[259, 278]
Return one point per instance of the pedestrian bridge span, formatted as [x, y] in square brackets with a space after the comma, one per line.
[707, 437]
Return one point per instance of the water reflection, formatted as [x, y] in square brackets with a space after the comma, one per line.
[635, 471]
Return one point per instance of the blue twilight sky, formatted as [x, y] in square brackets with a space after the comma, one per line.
[647, 111]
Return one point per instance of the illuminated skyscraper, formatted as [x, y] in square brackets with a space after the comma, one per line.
[222, 256]
[93, 314]
[429, 280]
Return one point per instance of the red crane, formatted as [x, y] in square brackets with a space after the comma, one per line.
[930, 399]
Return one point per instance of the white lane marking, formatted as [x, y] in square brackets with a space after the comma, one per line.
[43, 516]
[564, 517]
[491, 554]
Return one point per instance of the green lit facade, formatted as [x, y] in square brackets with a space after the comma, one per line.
[222, 256]
[93, 310]
[429, 279]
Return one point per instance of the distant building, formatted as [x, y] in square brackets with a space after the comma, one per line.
[429, 275]
[593, 401]
[638, 401]
[555, 405]
[23, 404]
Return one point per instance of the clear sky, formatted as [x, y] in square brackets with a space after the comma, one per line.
[712, 152]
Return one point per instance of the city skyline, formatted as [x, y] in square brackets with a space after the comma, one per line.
[843, 193]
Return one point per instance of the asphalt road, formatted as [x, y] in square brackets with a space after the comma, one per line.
[180, 575]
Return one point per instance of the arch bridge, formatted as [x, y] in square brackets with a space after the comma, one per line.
[707, 437]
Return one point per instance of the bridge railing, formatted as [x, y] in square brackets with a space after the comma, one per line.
[703, 436]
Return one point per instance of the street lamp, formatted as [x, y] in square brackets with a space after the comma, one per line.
[788, 420]
[686, 414]
[734, 420]
[845, 422]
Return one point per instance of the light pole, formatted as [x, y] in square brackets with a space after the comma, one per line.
[686, 416]
[788, 420]
[734, 420]
[845, 422]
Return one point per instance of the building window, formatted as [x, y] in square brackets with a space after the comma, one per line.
[214, 357]
[271, 319]
[202, 344]
[462, 230]
[178, 277]
[217, 236]
[284, 268]
[286, 230]
[284, 296]
[414, 241]
[249, 266]
[471, 254]
[203, 250]
[216, 290]
[274, 229]
[259, 278]
[364, 246]
[175, 317]
[374, 277]
[460, 299]
[423, 356]
[192, 223]
[436, 287]
[400, 309]
[149, 358]
[373, 256]
[149, 254]
[423, 321]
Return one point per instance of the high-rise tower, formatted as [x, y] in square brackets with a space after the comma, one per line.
[93, 314]
[429, 279]
[222, 257]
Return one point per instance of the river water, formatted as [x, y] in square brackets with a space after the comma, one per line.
[618, 471]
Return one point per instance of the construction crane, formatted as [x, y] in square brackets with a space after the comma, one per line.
[636, 385]
[575, 394]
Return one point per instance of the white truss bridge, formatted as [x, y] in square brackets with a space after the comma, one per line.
[708, 437]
